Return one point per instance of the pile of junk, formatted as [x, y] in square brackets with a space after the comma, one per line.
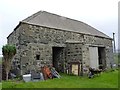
[46, 73]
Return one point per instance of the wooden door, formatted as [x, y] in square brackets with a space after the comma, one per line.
[93, 53]
[75, 69]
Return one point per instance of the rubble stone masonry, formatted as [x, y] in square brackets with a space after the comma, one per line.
[36, 42]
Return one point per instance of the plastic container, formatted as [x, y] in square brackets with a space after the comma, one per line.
[27, 77]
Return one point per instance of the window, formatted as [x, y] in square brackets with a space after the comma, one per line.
[37, 57]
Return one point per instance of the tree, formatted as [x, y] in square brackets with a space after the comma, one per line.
[8, 52]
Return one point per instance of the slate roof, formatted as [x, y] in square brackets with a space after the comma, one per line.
[51, 20]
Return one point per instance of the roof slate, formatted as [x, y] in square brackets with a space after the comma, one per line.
[43, 18]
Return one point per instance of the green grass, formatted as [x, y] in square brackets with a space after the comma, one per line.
[105, 80]
[0, 86]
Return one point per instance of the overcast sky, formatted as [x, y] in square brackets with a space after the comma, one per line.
[100, 14]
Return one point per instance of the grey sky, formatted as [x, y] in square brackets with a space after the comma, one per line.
[101, 14]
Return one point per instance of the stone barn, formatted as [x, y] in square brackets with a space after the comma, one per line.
[69, 45]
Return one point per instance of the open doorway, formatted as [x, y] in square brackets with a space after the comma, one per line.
[58, 56]
[102, 59]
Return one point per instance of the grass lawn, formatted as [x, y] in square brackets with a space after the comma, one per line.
[105, 80]
[0, 86]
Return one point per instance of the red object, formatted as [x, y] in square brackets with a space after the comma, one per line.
[46, 72]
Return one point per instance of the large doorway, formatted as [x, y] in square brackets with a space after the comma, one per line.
[93, 52]
[97, 57]
[102, 59]
[58, 58]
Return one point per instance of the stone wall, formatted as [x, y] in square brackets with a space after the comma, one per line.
[32, 40]
[35, 56]
[74, 52]
[73, 55]
[13, 39]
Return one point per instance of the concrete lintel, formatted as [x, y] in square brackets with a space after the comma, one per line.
[93, 45]
[73, 41]
[57, 45]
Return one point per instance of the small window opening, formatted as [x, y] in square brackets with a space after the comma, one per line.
[37, 57]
